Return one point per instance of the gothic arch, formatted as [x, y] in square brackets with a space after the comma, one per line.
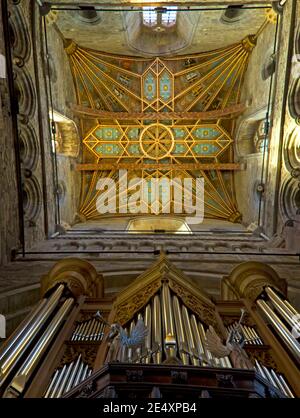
[25, 92]
[32, 200]
[29, 147]
[81, 277]
[19, 35]
[292, 149]
[247, 280]
[289, 197]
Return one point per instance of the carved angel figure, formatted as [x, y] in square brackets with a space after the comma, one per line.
[119, 340]
[233, 347]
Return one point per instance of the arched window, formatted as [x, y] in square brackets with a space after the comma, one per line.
[88, 14]
[232, 14]
[149, 16]
[154, 16]
[269, 67]
[169, 18]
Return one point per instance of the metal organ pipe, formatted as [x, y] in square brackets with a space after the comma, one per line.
[157, 320]
[283, 332]
[30, 332]
[19, 381]
[180, 331]
[167, 315]
[148, 337]
[281, 307]
[197, 337]
[189, 334]
[73, 374]
[17, 335]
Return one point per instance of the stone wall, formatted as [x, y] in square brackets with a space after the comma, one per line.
[255, 95]
[9, 225]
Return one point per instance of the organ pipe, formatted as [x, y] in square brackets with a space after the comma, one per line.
[22, 330]
[30, 332]
[148, 337]
[157, 328]
[73, 374]
[167, 314]
[24, 373]
[197, 338]
[179, 331]
[189, 334]
[67, 377]
[280, 327]
[281, 306]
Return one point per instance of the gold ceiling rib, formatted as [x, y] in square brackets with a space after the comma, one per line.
[160, 118]
[228, 112]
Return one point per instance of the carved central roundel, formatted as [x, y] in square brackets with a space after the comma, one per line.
[157, 141]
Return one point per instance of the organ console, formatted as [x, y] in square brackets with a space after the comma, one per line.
[61, 348]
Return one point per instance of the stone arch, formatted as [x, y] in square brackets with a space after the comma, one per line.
[248, 279]
[249, 133]
[292, 149]
[289, 195]
[142, 38]
[294, 98]
[88, 14]
[25, 92]
[232, 14]
[81, 277]
[19, 35]
[29, 146]
[269, 66]
[32, 200]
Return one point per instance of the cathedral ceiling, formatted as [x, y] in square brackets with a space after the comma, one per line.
[123, 32]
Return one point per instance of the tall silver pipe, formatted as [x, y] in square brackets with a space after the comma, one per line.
[57, 384]
[73, 375]
[270, 377]
[180, 335]
[84, 373]
[281, 306]
[167, 315]
[19, 381]
[288, 390]
[148, 337]
[65, 379]
[157, 331]
[248, 336]
[203, 339]
[26, 338]
[93, 330]
[283, 332]
[278, 382]
[79, 373]
[51, 386]
[189, 334]
[260, 370]
[197, 338]
[36, 311]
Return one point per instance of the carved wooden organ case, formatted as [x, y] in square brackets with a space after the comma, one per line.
[62, 348]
